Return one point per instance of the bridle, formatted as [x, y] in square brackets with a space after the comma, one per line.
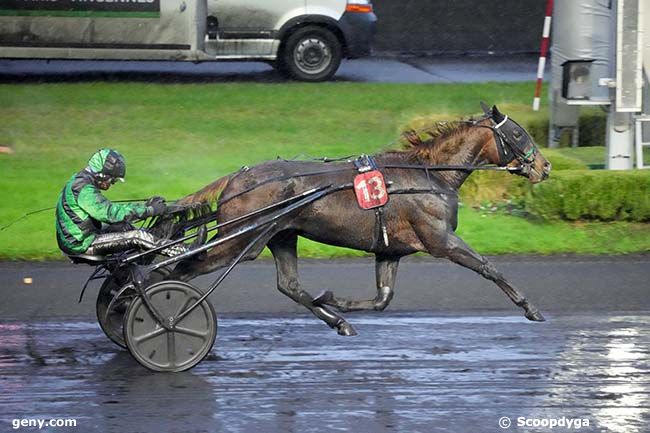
[512, 141]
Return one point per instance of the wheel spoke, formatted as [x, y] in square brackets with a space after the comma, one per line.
[182, 308]
[203, 335]
[171, 348]
[149, 335]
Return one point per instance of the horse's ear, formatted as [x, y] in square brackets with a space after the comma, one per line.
[496, 114]
[485, 108]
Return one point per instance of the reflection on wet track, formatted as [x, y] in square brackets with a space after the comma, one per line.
[407, 372]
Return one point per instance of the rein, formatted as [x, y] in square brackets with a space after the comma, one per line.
[426, 168]
[451, 167]
[501, 138]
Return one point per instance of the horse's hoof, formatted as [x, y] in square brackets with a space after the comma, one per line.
[535, 316]
[323, 298]
[346, 330]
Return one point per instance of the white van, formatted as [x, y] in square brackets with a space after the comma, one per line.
[305, 39]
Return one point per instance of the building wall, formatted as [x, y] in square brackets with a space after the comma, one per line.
[459, 26]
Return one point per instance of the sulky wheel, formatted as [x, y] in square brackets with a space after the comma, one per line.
[180, 348]
[111, 323]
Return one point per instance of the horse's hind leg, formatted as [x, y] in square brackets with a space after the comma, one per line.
[283, 248]
[385, 272]
[459, 252]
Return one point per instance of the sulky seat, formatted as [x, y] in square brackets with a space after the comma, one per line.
[87, 259]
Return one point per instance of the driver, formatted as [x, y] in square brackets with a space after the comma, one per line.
[82, 209]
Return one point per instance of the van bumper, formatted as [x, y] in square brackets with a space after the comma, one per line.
[359, 31]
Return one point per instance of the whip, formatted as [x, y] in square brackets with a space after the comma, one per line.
[54, 207]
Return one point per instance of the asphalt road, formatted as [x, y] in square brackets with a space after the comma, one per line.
[555, 283]
[371, 70]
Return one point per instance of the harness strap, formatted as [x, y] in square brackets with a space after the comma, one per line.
[380, 228]
[364, 164]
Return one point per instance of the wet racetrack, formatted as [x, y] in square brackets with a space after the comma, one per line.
[407, 372]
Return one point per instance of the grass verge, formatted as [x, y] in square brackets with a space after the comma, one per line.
[179, 137]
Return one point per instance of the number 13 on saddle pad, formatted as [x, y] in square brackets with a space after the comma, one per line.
[370, 189]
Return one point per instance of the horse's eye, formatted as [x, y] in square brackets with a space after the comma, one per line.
[517, 134]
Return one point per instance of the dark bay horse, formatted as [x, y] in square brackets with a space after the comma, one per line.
[422, 214]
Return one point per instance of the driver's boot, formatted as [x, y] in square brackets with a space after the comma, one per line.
[201, 237]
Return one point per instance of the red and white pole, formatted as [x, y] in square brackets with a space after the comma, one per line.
[543, 52]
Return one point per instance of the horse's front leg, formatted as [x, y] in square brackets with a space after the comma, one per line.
[447, 244]
[459, 252]
[385, 272]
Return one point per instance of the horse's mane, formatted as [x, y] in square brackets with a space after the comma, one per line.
[432, 143]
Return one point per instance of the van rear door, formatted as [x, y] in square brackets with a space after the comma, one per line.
[99, 29]
[241, 19]
[248, 28]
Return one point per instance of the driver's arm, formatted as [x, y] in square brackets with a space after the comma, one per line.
[102, 209]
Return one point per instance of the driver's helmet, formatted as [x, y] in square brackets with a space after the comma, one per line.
[107, 165]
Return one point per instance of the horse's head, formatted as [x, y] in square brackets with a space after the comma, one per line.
[513, 147]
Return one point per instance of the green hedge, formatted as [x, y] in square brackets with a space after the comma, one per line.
[495, 187]
[592, 195]
[492, 187]
[561, 161]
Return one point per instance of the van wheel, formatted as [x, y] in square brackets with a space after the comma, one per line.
[311, 53]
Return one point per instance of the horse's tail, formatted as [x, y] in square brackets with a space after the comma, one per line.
[208, 195]
[200, 205]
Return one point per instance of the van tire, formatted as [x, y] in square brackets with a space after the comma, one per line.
[311, 53]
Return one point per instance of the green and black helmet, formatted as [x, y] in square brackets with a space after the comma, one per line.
[107, 165]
